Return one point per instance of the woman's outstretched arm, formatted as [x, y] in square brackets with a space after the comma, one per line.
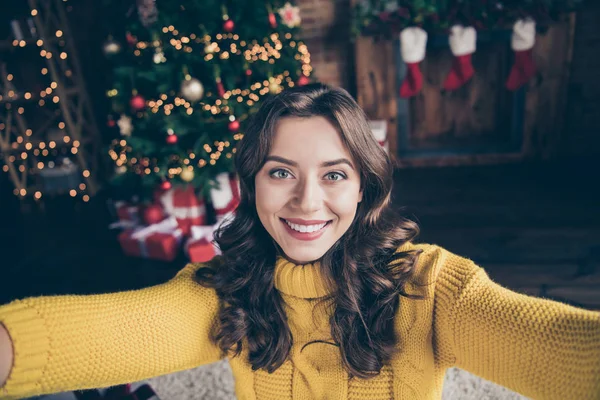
[540, 348]
[74, 342]
[6, 355]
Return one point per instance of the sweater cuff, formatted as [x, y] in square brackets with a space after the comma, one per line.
[31, 348]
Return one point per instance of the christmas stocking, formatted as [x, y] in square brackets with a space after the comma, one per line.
[462, 43]
[413, 41]
[523, 39]
[226, 197]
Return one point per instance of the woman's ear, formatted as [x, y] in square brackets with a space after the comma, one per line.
[360, 196]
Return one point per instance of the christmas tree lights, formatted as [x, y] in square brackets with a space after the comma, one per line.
[184, 88]
[42, 135]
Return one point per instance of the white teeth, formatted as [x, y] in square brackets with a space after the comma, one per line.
[306, 228]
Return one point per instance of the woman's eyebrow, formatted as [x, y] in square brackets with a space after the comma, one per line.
[323, 164]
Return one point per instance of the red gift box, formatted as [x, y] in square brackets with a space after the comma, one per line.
[201, 250]
[127, 212]
[226, 197]
[200, 247]
[159, 241]
[185, 206]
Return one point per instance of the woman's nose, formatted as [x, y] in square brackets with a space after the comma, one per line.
[309, 196]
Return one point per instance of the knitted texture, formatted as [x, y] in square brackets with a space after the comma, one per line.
[69, 342]
[537, 347]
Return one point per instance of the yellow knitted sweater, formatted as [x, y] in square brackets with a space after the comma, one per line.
[537, 347]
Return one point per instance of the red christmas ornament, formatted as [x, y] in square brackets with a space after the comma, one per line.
[137, 102]
[131, 40]
[111, 122]
[248, 72]
[272, 20]
[166, 185]
[153, 214]
[228, 25]
[303, 80]
[234, 126]
[171, 139]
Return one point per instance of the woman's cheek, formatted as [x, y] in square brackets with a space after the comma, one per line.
[273, 197]
[345, 201]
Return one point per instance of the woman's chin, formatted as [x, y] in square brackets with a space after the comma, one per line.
[302, 258]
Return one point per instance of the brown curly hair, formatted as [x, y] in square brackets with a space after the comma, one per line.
[368, 270]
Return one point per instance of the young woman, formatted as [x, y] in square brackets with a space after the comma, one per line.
[320, 292]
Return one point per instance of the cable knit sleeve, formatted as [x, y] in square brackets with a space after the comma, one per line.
[73, 342]
[540, 348]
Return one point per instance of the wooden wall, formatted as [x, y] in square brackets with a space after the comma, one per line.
[475, 113]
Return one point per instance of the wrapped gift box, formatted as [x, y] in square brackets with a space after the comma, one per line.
[127, 212]
[183, 204]
[200, 246]
[201, 250]
[159, 241]
[226, 196]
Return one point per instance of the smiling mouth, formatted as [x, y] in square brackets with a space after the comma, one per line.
[307, 229]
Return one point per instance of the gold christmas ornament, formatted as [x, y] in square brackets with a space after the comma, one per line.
[111, 46]
[159, 56]
[274, 87]
[210, 48]
[125, 125]
[192, 89]
[187, 175]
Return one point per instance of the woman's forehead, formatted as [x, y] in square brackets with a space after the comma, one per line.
[311, 136]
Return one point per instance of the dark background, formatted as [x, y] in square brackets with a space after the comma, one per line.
[534, 226]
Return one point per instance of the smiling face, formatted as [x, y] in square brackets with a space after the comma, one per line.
[308, 190]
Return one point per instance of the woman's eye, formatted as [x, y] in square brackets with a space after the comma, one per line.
[283, 174]
[339, 175]
[280, 173]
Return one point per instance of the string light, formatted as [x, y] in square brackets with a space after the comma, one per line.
[221, 46]
[39, 147]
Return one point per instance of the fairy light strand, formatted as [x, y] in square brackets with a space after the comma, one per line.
[20, 138]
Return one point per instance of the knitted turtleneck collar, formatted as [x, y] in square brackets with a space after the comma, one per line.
[305, 281]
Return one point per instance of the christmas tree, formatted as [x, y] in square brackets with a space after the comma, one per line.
[186, 78]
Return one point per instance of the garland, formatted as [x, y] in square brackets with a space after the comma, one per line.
[387, 17]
